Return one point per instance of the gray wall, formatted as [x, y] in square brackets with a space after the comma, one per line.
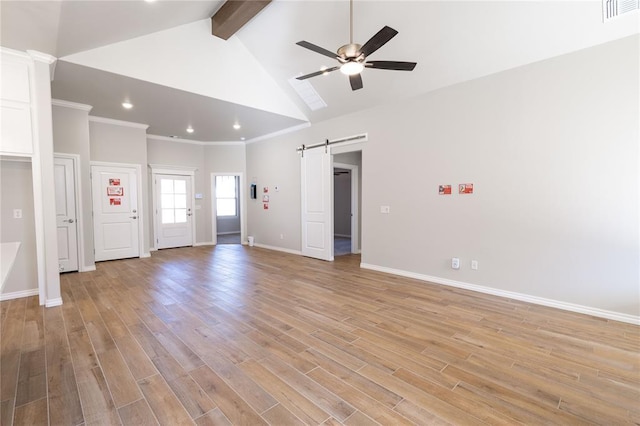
[188, 155]
[214, 158]
[71, 136]
[123, 144]
[16, 192]
[552, 149]
[231, 159]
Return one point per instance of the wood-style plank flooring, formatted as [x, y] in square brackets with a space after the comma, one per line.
[239, 335]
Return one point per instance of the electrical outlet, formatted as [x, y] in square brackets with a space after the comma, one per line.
[455, 263]
[474, 265]
[17, 213]
[282, 236]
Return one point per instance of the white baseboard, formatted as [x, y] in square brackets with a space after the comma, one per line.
[596, 312]
[285, 250]
[86, 268]
[342, 235]
[207, 243]
[144, 255]
[19, 294]
[50, 303]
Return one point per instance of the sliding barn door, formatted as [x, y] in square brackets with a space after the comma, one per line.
[317, 204]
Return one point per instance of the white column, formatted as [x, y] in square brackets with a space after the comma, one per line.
[43, 180]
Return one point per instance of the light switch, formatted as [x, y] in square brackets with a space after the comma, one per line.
[385, 209]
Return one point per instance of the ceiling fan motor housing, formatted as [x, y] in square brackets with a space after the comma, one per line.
[350, 52]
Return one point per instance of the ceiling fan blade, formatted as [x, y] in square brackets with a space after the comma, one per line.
[356, 81]
[378, 40]
[313, 74]
[391, 65]
[317, 49]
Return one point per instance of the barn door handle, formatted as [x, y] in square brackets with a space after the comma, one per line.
[68, 221]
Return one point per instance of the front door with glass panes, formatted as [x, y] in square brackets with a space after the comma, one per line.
[173, 214]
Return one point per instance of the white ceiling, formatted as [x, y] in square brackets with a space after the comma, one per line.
[452, 41]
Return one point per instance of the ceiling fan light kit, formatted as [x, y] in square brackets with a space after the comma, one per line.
[352, 57]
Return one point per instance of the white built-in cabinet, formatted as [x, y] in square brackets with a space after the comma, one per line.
[26, 131]
[15, 105]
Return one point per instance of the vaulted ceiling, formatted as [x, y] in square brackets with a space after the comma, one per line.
[162, 57]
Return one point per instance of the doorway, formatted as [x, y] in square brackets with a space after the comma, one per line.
[346, 203]
[67, 212]
[227, 208]
[174, 213]
[117, 211]
[317, 196]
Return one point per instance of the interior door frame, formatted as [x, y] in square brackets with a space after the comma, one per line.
[241, 201]
[159, 169]
[355, 214]
[79, 210]
[141, 210]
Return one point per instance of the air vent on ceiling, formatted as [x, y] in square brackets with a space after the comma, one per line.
[614, 8]
[305, 90]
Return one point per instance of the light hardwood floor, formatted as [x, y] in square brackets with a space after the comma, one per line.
[238, 335]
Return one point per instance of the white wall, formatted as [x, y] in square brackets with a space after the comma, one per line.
[118, 143]
[552, 149]
[16, 192]
[71, 136]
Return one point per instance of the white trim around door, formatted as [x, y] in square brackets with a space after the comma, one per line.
[355, 214]
[241, 202]
[140, 206]
[183, 171]
[79, 211]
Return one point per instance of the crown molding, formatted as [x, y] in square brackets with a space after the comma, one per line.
[279, 132]
[160, 168]
[192, 142]
[42, 57]
[72, 105]
[178, 140]
[103, 120]
[17, 53]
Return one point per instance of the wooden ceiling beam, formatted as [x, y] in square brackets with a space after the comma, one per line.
[233, 15]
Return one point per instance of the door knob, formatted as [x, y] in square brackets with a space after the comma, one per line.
[69, 220]
[133, 217]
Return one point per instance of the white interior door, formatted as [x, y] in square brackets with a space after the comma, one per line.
[173, 213]
[317, 204]
[66, 220]
[115, 212]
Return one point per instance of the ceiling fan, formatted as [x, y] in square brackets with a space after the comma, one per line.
[352, 56]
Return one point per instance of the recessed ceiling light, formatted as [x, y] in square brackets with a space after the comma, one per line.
[242, 138]
[150, 1]
[236, 126]
[127, 105]
[190, 129]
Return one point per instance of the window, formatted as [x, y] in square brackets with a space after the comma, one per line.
[173, 200]
[226, 195]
